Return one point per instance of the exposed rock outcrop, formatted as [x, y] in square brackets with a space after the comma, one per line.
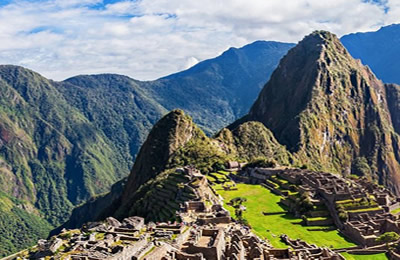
[330, 111]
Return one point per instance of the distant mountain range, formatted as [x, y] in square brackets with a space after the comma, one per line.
[62, 143]
[379, 50]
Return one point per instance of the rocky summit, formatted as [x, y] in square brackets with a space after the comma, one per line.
[331, 112]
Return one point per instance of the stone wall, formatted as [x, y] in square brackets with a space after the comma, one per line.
[180, 239]
[130, 251]
[321, 222]
[183, 256]
[394, 255]
[355, 215]
[394, 206]
[157, 253]
[208, 252]
[215, 220]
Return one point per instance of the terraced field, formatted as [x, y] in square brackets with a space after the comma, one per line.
[381, 256]
[270, 226]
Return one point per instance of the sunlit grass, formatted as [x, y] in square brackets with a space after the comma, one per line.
[260, 199]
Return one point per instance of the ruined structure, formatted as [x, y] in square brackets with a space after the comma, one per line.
[206, 231]
[360, 209]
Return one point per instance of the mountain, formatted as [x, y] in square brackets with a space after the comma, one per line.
[62, 143]
[116, 105]
[174, 141]
[52, 157]
[252, 140]
[154, 187]
[220, 89]
[331, 112]
[379, 50]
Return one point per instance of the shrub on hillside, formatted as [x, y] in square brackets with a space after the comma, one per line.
[261, 162]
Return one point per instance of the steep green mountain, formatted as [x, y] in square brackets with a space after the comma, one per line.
[331, 111]
[20, 224]
[64, 142]
[173, 141]
[379, 50]
[153, 185]
[51, 156]
[118, 106]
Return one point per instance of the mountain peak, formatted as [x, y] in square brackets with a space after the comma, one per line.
[170, 133]
[329, 109]
[292, 83]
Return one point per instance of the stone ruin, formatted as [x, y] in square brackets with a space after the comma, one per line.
[206, 232]
[307, 251]
[364, 223]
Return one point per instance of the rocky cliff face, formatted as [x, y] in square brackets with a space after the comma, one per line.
[321, 108]
[393, 99]
[330, 111]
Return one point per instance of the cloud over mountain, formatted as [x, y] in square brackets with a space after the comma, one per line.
[151, 38]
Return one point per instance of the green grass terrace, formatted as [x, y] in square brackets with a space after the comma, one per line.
[381, 256]
[277, 220]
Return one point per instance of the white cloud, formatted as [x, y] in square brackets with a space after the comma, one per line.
[190, 62]
[146, 39]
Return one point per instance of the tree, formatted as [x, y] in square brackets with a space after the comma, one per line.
[304, 203]
[237, 201]
[218, 166]
[238, 213]
[261, 162]
[388, 237]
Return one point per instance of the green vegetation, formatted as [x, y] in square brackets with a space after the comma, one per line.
[52, 157]
[395, 211]
[318, 218]
[388, 237]
[261, 162]
[18, 228]
[364, 202]
[148, 252]
[361, 167]
[381, 256]
[200, 152]
[252, 141]
[217, 177]
[159, 198]
[259, 200]
[337, 124]
[368, 209]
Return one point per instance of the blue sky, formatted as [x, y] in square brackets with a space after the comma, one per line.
[147, 39]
